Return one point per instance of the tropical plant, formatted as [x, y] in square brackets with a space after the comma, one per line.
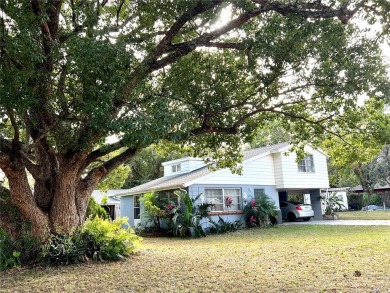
[332, 203]
[187, 217]
[63, 249]
[223, 226]
[154, 209]
[98, 239]
[260, 211]
[109, 240]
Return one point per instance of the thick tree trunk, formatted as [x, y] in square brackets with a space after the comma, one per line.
[69, 203]
[58, 204]
[23, 199]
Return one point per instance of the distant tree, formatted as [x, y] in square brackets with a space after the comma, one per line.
[115, 179]
[146, 165]
[356, 151]
[379, 167]
[269, 133]
[341, 176]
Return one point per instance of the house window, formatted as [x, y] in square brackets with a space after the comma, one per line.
[223, 199]
[258, 192]
[137, 206]
[176, 168]
[168, 197]
[306, 165]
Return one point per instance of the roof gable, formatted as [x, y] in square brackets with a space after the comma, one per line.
[187, 179]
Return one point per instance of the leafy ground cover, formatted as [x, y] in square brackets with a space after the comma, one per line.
[307, 258]
[364, 215]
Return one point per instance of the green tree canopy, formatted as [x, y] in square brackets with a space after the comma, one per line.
[269, 133]
[146, 164]
[204, 72]
[355, 151]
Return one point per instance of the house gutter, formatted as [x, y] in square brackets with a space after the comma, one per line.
[150, 190]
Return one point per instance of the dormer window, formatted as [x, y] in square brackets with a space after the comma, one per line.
[176, 168]
[307, 164]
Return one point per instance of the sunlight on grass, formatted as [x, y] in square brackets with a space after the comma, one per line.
[284, 259]
[364, 215]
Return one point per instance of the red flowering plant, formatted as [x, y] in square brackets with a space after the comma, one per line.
[170, 211]
[253, 203]
[228, 201]
[252, 219]
[259, 211]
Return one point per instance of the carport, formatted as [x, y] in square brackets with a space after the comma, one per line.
[315, 200]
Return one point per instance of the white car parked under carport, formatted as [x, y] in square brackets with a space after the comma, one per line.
[292, 210]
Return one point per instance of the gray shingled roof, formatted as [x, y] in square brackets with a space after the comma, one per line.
[179, 181]
[376, 187]
[98, 196]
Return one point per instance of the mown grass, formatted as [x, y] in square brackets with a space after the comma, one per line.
[364, 215]
[302, 258]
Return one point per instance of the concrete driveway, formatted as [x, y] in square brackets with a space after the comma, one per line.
[342, 222]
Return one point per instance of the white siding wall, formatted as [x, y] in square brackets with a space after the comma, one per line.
[288, 175]
[186, 164]
[257, 172]
[278, 168]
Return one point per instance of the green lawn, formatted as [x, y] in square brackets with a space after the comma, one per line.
[302, 258]
[364, 215]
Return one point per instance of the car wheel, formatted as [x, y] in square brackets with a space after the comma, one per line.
[291, 217]
[306, 219]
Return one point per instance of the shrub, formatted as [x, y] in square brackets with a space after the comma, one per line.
[260, 211]
[223, 226]
[95, 209]
[355, 201]
[16, 252]
[98, 239]
[63, 249]
[154, 209]
[8, 256]
[377, 199]
[108, 240]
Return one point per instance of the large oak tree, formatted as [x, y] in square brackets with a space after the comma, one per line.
[207, 72]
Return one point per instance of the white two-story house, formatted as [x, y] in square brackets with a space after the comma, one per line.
[271, 170]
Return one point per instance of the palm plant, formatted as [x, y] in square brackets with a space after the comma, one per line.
[259, 211]
[332, 203]
[188, 216]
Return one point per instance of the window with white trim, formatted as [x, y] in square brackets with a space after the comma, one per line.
[168, 197]
[176, 168]
[307, 164]
[137, 207]
[223, 199]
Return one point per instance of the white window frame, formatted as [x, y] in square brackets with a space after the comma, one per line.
[225, 193]
[176, 168]
[137, 207]
[306, 165]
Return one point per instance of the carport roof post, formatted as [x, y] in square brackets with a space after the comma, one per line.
[315, 198]
[283, 195]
